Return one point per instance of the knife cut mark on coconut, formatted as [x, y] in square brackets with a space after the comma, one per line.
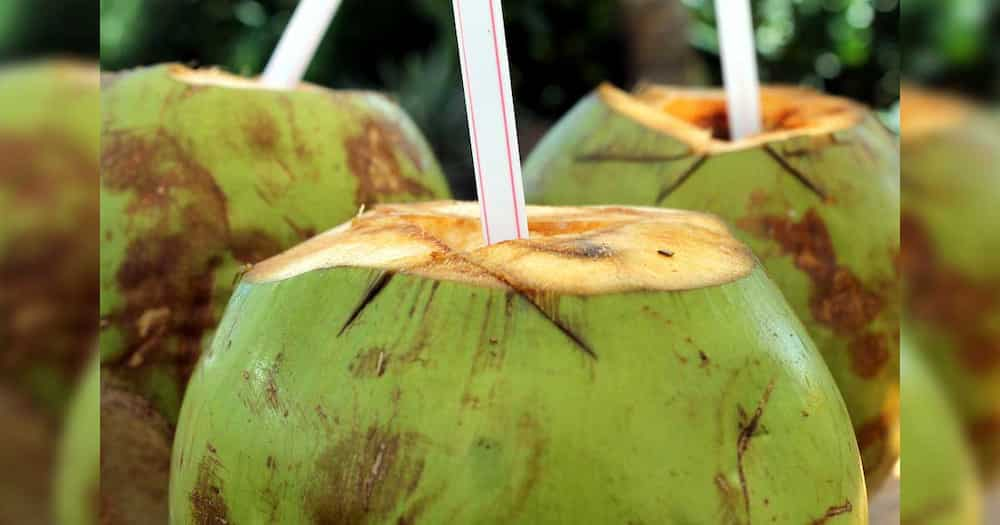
[572, 251]
[698, 118]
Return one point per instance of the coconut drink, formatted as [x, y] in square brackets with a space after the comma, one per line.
[203, 173]
[940, 485]
[622, 365]
[815, 196]
[951, 254]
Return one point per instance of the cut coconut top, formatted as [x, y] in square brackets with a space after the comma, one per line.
[576, 251]
[924, 112]
[698, 116]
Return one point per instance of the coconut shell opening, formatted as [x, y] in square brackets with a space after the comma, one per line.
[578, 250]
[925, 112]
[700, 117]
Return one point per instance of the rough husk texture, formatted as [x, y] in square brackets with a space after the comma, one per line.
[816, 198]
[371, 394]
[951, 254]
[939, 481]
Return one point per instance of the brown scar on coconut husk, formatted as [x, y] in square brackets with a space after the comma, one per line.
[364, 477]
[748, 428]
[949, 299]
[49, 294]
[372, 160]
[839, 299]
[167, 272]
[833, 511]
[208, 507]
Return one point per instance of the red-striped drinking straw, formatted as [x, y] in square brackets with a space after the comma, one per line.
[486, 75]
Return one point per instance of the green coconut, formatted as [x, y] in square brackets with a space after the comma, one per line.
[624, 365]
[939, 481]
[49, 135]
[49, 140]
[204, 173]
[951, 256]
[816, 197]
[77, 481]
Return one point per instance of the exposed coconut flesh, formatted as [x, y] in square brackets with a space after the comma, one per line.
[924, 113]
[571, 250]
[699, 117]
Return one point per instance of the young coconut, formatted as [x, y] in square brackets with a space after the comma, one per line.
[204, 173]
[951, 254]
[622, 365]
[816, 196]
[939, 481]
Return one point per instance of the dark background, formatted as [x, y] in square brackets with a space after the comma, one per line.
[952, 44]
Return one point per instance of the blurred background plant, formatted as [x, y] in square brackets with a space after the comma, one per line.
[952, 44]
[30, 28]
[560, 50]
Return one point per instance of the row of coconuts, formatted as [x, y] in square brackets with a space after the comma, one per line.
[629, 363]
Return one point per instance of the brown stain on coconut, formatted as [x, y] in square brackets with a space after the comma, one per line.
[262, 132]
[833, 511]
[49, 294]
[177, 217]
[372, 160]
[839, 300]
[208, 507]
[948, 299]
[364, 476]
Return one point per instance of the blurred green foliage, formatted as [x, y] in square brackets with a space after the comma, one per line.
[848, 47]
[30, 28]
[952, 44]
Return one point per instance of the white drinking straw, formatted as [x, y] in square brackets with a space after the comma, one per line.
[298, 43]
[488, 101]
[739, 67]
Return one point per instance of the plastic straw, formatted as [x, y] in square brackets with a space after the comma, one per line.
[486, 75]
[739, 67]
[298, 43]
